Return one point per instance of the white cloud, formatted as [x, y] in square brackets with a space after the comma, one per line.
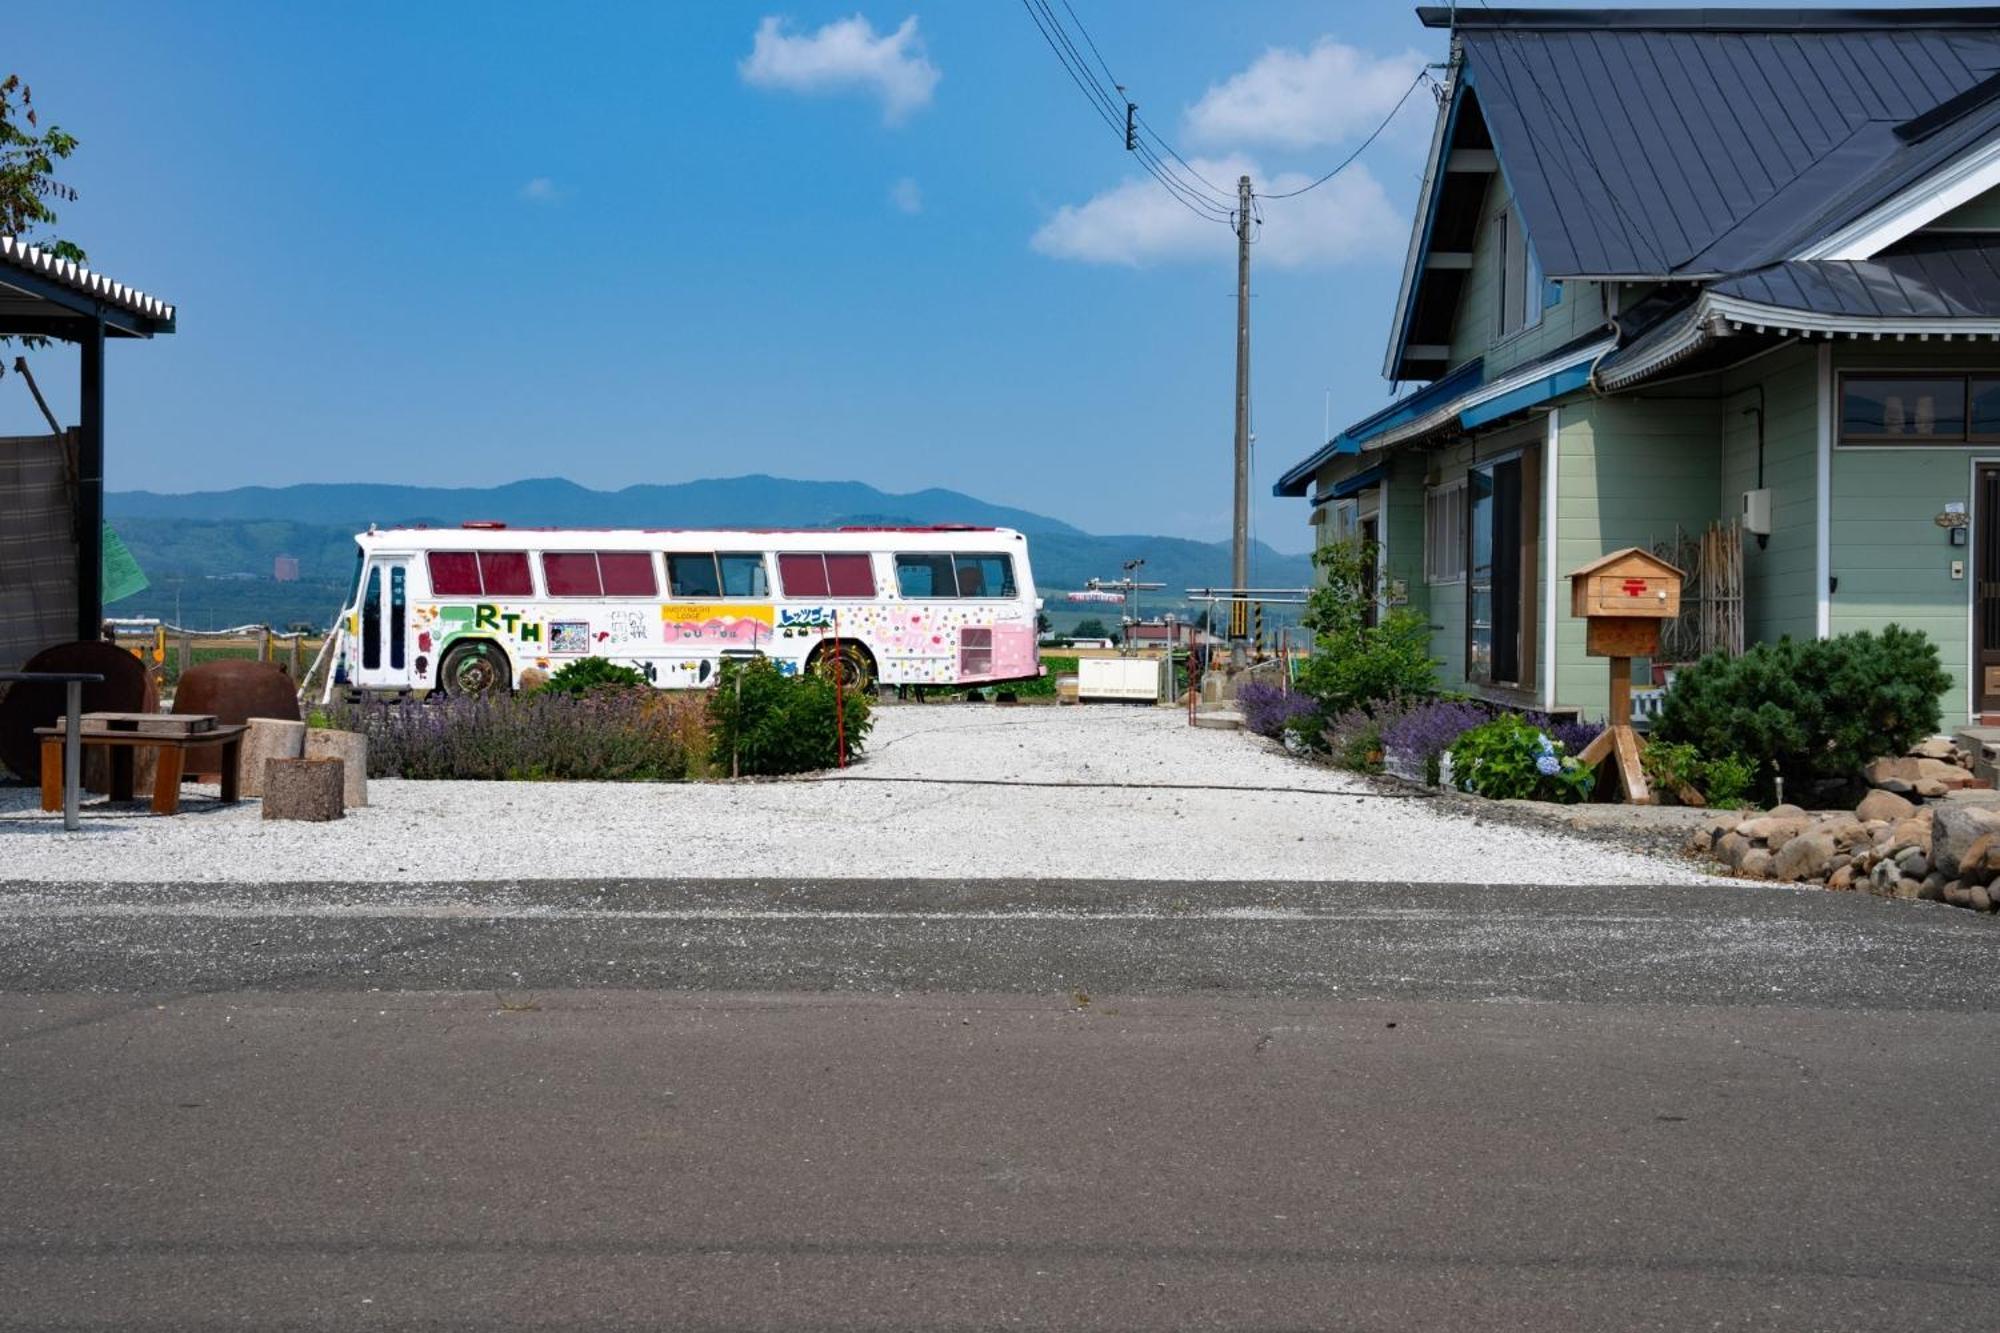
[1136, 222]
[907, 196]
[847, 55]
[1305, 99]
[543, 190]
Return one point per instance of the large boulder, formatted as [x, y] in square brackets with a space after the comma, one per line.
[1953, 831]
[1805, 857]
[1887, 805]
[1897, 775]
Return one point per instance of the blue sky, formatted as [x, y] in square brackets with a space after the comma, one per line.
[467, 244]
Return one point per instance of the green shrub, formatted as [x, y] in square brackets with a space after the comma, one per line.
[1811, 712]
[772, 723]
[1675, 766]
[1510, 758]
[590, 673]
[1355, 664]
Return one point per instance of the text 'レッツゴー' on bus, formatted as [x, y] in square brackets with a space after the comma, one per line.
[469, 610]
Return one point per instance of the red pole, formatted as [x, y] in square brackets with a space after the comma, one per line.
[839, 697]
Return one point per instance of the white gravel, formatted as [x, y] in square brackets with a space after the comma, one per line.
[1323, 826]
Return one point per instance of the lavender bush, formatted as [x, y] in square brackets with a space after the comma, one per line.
[630, 735]
[1268, 709]
[1418, 737]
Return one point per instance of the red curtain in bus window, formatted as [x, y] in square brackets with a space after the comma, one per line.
[802, 575]
[505, 574]
[454, 574]
[849, 576]
[627, 574]
[571, 574]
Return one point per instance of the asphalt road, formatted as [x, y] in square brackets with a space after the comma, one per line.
[991, 1105]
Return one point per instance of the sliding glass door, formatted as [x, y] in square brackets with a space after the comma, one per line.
[1495, 557]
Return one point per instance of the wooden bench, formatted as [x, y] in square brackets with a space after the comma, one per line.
[122, 733]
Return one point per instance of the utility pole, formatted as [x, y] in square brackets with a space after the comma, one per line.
[1239, 554]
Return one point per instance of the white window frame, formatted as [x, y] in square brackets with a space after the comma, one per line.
[1444, 533]
[1524, 311]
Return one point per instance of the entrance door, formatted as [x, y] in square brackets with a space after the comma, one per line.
[384, 629]
[1493, 579]
[1986, 592]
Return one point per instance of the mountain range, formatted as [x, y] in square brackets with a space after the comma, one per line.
[210, 554]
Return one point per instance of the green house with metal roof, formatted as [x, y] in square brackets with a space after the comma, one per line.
[1724, 284]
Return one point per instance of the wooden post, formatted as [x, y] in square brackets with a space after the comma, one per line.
[264, 644]
[298, 655]
[183, 655]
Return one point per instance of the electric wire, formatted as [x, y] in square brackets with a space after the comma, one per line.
[1110, 110]
[1373, 135]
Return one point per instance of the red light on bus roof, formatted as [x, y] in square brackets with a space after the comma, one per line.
[484, 525]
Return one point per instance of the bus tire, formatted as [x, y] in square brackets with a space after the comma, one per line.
[851, 661]
[473, 669]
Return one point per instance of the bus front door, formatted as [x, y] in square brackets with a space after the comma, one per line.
[382, 632]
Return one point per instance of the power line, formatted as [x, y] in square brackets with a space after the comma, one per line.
[1373, 135]
[1111, 111]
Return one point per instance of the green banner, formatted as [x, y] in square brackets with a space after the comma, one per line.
[121, 573]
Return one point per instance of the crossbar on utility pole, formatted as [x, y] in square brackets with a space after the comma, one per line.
[1239, 551]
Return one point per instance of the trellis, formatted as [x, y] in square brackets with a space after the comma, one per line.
[1711, 618]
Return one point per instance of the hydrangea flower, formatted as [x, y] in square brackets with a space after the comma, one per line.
[1548, 765]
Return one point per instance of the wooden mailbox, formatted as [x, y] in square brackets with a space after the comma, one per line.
[1623, 599]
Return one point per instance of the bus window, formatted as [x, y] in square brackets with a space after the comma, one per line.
[743, 576]
[850, 576]
[985, 575]
[693, 576]
[454, 574]
[505, 574]
[802, 575]
[627, 573]
[571, 574]
[924, 575]
[371, 623]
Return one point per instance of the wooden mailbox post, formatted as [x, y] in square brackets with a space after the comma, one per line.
[1622, 599]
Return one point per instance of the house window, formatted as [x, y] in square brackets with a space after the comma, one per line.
[1444, 534]
[1920, 408]
[1522, 289]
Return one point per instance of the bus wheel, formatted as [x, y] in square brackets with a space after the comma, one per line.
[473, 669]
[848, 663]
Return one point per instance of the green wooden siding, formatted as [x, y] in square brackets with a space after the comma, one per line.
[1891, 560]
[1779, 596]
[1630, 472]
[1476, 328]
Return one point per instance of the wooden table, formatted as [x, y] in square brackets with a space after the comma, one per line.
[122, 733]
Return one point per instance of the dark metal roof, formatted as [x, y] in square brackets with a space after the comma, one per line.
[1933, 277]
[1699, 142]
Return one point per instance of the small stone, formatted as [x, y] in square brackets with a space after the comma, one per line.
[1730, 848]
[1937, 747]
[1912, 833]
[1932, 889]
[1979, 899]
[1840, 861]
[1937, 770]
[1756, 864]
[1884, 805]
[1914, 862]
[1908, 889]
[1700, 841]
[1841, 878]
[1882, 879]
[1723, 821]
[1804, 857]
[1785, 812]
[1957, 894]
[1930, 788]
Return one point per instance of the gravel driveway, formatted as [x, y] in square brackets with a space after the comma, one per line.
[935, 797]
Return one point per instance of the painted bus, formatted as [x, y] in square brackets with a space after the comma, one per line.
[469, 610]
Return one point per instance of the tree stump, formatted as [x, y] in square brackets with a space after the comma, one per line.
[351, 748]
[268, 738]
[308, 789]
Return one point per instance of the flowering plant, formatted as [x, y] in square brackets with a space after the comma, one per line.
[1510, 758]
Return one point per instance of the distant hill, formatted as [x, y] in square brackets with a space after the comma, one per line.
[212, 552]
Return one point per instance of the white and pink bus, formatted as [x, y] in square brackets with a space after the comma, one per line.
[468, 610]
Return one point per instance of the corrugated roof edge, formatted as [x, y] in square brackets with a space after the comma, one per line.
[1712, 20]
[81, 279]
